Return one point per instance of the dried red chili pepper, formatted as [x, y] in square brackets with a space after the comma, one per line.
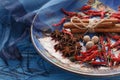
[102, 43]
[103, 48]
[95, 13]
[115, 16]
[79, 58]
[59, 23]
[117, 43]
[93, 55]
[118, 47]
[119, 55]
[84, 8]
[71, 14]
[115, 37]
[101, 56]
[116, 59]
[108, 43]
[95, 47]
[85, 54]
[97, 63]
[113, 59]
[110, 61]
[67, 32]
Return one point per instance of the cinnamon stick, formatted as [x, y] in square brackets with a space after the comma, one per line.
[87, 20]
[117, 25]
[105, 24]
[111, 30]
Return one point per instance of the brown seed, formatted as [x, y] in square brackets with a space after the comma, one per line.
[95, 39]
[86, 38]
[89, 44]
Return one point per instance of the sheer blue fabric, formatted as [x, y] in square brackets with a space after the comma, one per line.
[19, 59]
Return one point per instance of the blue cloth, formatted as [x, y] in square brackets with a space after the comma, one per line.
[19, 60]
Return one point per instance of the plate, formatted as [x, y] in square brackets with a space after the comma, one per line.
[40, 31]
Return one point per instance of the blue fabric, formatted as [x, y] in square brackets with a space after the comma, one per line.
[19, 60]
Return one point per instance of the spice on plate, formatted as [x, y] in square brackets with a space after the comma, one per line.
[98, 50]
[95, 39]
[86, 38]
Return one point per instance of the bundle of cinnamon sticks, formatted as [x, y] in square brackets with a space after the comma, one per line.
[108, 25]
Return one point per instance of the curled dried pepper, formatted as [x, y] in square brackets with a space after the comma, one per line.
[84, 8]
[59, 23]
[71, 14]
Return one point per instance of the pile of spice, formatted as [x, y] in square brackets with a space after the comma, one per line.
[102, 49]
[67, 43]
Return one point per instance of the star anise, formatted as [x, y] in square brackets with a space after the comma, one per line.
[58, 46]
[56, 35]
[78, 36]
[68, 45]
[77, 45]
[73, 40]
[65, 38]
[67, 51]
